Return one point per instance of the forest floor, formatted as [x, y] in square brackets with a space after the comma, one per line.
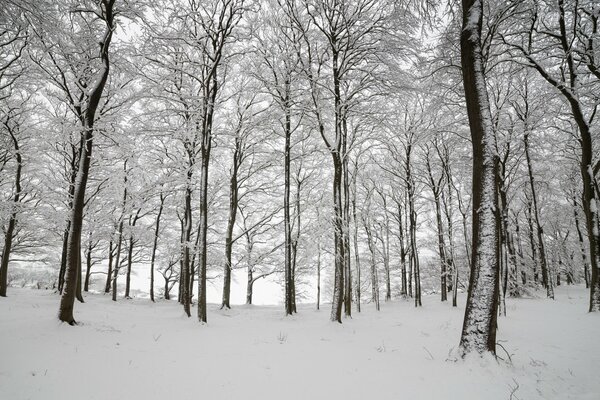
[133, 349]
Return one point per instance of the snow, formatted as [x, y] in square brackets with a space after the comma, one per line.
[136, 349]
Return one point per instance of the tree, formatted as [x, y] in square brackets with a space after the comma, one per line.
[105, 17]
[479, 327]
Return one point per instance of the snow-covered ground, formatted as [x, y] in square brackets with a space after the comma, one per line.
[137, 350]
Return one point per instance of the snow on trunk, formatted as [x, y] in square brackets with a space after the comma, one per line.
[479, 326]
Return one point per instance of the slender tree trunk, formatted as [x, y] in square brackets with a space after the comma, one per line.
[480, 322]
[117, 265]
[374, 277]
[233, 206]
[357, 297]
[346, 214]
[88, 263]
[155, 244]
[533, 244]
[287, 208]
[318, 275]
[12, 222]
[110, 267]
[441, 249]
[586, 275]
[520, 252]
[415, 268]
[403, 287]
[546, 282]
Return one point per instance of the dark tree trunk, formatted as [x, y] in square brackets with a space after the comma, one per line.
[233, 207]
[532, 243]
[546, 281]
[110, 267]
[88, 264]
[68, 297]
[117, 263]
[339, 256]
[480, 322]
[318, 276]
[132, 243]
[74, 161]
[185, 245]
[403, 252]
[155, 244]
[374, 277]
[286, 213]
[357, 297]
[586, 275]
[12, 222]
[410, 189]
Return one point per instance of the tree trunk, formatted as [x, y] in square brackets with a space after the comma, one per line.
[110, 267]
[374, 277]
[63, 259]
[203, 222]
[68, 297]
[155, 244]
[117, 265]
[233, 206]
[12, 222]
[318, 275]
[533, 244]
[581, 243]
[480, 322]
[520, 252]
[88, 264]
[339, 256]
[185, 246]
[357, 296]
[403, 287]
[546, 282]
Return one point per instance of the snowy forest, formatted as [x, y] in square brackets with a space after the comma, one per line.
[278, 187]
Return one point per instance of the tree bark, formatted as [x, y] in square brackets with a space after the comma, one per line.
[546, 282]
[480, 322]
[155, 244]
[68, 297]
[12, 222]
[110, 267]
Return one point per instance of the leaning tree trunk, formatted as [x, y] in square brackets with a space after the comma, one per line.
[12, 222]
[480, 322]
[68, 297]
